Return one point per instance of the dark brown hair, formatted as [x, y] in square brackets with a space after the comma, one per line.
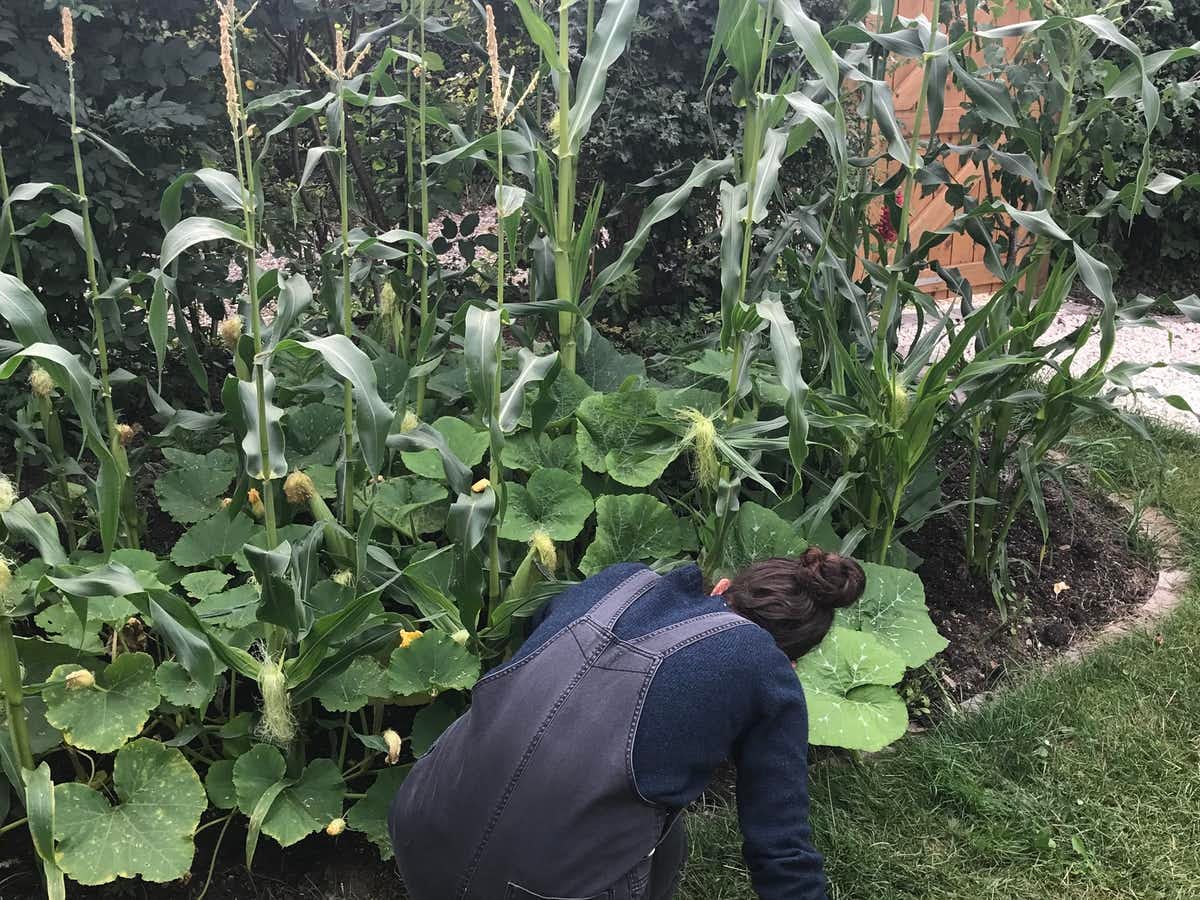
[794, 597]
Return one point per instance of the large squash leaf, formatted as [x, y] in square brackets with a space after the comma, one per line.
[148, 833]
[431, 664]
[370, 814]
[300, 808]
[352, 689]
[759, 533]
[553, 501]
[528, 453]
[848, 687]
[467, 443]
[632, 528]
[893, 610]
[616, 439]
[192, 490]
[110, 712]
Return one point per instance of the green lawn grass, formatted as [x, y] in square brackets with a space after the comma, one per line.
[1078, 784]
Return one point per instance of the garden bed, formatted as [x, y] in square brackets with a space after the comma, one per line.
[1093, 571]
[1090, 551]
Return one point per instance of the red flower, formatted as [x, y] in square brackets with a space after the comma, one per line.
[887, 231]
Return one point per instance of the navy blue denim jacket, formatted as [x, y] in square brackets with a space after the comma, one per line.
[733, 696]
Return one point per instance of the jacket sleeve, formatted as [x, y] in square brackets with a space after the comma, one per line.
[771, 757]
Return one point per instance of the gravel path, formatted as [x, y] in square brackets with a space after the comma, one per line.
[1176, 341]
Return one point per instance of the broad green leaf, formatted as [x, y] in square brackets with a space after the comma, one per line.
[1039, 221]
[62, 625]
[759, 533]
[400, 502]
[892, 610]
[110, 712]
[616, 439]
[553, 501]
[540, 33]
[431, 664]
[192, 491]
[276, 465]
[766, 175]
[481, 341]
[295, 296]
[786, 348]
[528, 453]
[608, 43]
[313, 434]
[148, 833]
[465, 442]
[373, 416]
[531, 369]
[807, 34]
[301, 808]
[633, 528]
[206, 583]
[515, 144]
[197, 230]
[220, 537]
[39, 530]
[832, 128]
[352, 689]
[40, 811]
[234, 608]
[661, 208]
[847, 684]
[179, 688]
[991, 99]
[369, 816]
[218, 784]
[555, 403]
[23, 312]
[430, 723]
[604, 368]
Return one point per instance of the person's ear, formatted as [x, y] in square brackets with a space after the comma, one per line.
[721, 587]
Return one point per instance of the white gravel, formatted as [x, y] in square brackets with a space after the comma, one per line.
[1176, 340]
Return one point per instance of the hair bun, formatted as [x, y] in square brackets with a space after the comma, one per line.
[833, 580]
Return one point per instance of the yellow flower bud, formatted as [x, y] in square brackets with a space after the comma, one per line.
[254, 498]
[343, 577]
[407, 637]
[461, 637]
[249, 84]
[126, 434]
[80, 679]
[394, 743]
[336, 827]
[299, 488]
[230, 331]
[480, 486]
[40, 383]
[410, 422]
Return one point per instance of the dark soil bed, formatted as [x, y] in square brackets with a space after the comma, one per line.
[1088, 551]
[1087, 575]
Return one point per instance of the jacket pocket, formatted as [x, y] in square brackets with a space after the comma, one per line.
[516, 892]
